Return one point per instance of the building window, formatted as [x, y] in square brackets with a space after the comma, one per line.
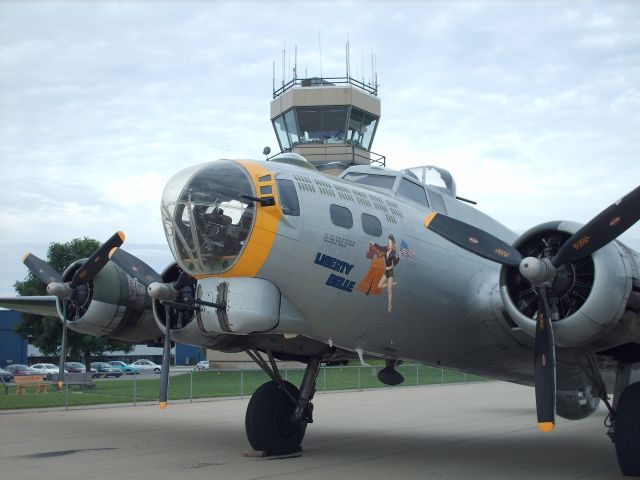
[413, 192]
[288, 197]
[371, 225]
[362, 126]
[281, 132]
[341, 216]
[321, 124]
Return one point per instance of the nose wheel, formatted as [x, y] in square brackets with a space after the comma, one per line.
[278, 412]
[270, 423]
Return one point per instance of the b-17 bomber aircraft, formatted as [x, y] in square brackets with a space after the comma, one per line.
[281, 261]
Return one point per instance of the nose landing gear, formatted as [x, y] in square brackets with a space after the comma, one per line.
[278, 412]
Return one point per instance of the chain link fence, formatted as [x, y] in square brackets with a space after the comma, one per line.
[190, 385]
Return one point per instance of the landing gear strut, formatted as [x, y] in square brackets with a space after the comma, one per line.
[278, 413]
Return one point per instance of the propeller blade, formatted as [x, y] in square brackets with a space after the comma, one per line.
[544, 367]
[603, 228]
[166, 357]
[473, 239]
[41, 269]
[96, 261]
[135, 267]
[63, 346]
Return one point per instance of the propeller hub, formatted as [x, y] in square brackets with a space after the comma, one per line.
[538, 271]
[60, 290]
[162, 291]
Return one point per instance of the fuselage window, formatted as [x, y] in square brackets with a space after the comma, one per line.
[380, 181]
[288, 197]
[413, 192]
[371, 225]
[340, 216]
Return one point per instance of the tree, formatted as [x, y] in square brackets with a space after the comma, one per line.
[46, 332]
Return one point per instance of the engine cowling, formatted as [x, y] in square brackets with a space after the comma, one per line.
[112, 306]
[592, 293]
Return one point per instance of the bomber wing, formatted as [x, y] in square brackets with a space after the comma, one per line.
[41, 305]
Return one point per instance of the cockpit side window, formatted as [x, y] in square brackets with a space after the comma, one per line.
[372, 179]
[413, 191]
[288, 197]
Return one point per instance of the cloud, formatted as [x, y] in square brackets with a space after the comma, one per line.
[533, 107]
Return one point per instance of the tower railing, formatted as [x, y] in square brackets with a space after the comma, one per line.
[326, 82]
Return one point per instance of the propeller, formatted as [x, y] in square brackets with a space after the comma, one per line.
[71, 291]
[166, 293]
[541, 273]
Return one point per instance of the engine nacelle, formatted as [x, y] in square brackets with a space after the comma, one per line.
[592, 293]
[112, 306]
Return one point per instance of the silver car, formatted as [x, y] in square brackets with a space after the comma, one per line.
[47, 370]
[145, 366]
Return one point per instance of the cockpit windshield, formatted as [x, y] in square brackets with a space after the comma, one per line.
[205, 220]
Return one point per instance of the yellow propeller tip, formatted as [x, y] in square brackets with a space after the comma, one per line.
[24, 257]
[121, 235]
[163, 405]
[546, 426]
[111, 252]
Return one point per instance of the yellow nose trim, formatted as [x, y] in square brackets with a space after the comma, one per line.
[263, 234]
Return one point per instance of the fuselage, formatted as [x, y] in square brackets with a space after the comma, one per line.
[332, 252]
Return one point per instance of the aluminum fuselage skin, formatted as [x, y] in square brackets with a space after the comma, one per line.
[445, 300]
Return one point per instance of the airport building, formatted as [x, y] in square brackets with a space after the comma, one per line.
[15, 349]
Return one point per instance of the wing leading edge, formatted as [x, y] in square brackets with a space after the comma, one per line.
[42, 305]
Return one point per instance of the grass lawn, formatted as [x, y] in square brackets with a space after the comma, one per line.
[208, 384]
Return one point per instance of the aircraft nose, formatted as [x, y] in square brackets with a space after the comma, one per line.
[206, 218]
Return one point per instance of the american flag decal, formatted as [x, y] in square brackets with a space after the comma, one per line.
[405, 251]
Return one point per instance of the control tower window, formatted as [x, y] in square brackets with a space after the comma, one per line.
[362, 126]
[322, 124]
[281, 132]
[380, 181]
[413, 191]
[292, 127]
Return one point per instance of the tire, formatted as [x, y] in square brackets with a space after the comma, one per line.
[156, 370]
[628, 430]
[267, 420]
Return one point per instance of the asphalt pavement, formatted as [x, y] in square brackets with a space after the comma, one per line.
[485, 430]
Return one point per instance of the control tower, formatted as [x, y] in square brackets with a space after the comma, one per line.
[330, 121]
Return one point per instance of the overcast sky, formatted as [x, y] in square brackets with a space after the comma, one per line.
[534, 107]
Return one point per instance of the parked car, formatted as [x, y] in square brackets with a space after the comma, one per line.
[5, 375]
[20, 369]
[49, 370]
[77, 367]
[105, 370]
[146, 366]
[203, 365]
[123, 367]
